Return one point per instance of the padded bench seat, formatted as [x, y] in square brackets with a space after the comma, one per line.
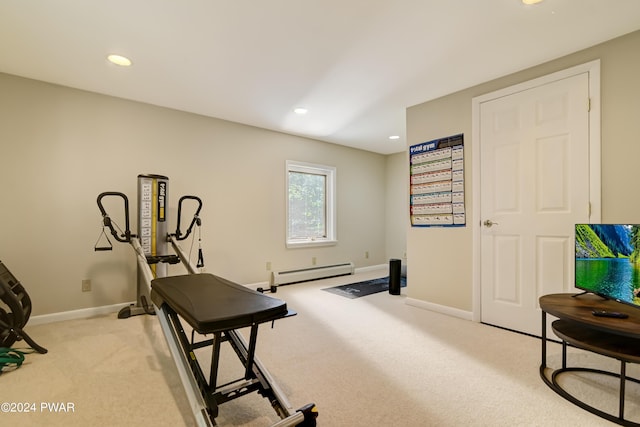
[212, 304]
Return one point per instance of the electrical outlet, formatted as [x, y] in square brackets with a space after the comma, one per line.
[268, 265]
[313, 261]
[366, 254]
[86, 285]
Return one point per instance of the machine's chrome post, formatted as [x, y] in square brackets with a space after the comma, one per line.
[292, 420]
[191, 389]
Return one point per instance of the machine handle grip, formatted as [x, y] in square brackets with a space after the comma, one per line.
[126, 237]
[196, 218]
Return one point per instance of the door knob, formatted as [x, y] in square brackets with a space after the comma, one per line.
[489, 223]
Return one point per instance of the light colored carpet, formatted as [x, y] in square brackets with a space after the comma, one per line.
[372, 361]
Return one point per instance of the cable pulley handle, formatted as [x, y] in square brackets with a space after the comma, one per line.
[194, 221]
[126, 237]
[103, 248]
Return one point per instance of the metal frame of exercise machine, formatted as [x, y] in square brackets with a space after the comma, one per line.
[160, 294]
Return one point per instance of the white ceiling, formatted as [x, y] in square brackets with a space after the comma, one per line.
[355, 64]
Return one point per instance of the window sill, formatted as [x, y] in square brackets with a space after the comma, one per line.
[311, 243]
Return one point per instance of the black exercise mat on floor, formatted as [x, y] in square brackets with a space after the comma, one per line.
[361, 289]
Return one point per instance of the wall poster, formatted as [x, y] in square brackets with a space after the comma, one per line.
[437, 183]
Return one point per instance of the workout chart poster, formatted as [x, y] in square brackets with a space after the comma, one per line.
[437, 183]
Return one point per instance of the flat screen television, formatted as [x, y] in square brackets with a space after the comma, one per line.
[607, 261]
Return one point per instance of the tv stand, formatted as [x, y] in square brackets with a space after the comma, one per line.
[587, 293]
[577, 326]
[580, 294]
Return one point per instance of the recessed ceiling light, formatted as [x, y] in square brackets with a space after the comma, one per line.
[300, 111]
[531, 1]
[394, 137]
[120, 60]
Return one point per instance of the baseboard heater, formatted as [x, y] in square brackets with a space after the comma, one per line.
[311, 273]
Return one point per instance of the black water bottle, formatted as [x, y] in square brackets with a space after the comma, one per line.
[395, 267]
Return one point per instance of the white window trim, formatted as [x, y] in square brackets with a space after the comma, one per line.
[330, 173]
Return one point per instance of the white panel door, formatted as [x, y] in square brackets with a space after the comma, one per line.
[534, 188]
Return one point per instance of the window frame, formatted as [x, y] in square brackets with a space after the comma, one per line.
[329, 172]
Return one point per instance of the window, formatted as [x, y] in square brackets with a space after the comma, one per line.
[310, 205]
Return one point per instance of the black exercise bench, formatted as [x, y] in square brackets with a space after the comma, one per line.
[214, 306]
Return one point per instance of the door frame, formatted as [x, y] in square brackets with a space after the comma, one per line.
[593, 69]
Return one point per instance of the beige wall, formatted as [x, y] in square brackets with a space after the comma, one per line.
[61, 147]
[440, 259]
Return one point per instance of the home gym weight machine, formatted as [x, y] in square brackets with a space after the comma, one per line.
[210, 305]
[152, 235]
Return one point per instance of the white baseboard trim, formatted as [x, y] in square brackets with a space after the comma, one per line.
[450, 311]
[83, 313]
